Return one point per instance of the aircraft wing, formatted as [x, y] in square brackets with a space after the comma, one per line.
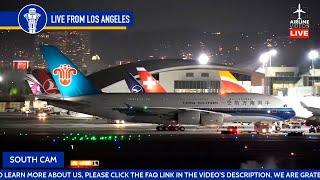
[43, 97]
[315, 111]
[66, 104]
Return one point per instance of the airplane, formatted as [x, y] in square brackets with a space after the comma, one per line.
[133, 85]
[150, 84]
[299, 11]
[315, 118]
[315, 111]
[204, 109]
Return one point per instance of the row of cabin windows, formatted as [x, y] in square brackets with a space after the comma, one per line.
[138, 99]
[144, 99]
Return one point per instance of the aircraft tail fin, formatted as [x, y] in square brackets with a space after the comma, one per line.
[230, 83]
[69, 79]
[133, 85]
[149, 84]
[48, 85]
[33, 84]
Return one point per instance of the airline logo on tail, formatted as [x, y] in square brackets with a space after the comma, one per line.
[150, 84]
[48, 85]
[137, 89]
[34, 84]
[70, 81]
[133, 85]
[65, 73]
[230, 83]
[43, 84]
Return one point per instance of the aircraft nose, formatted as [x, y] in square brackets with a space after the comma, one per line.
[291, 113]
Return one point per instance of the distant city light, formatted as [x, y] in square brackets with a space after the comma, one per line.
[95, 57]
[203, 59]
[313, 55]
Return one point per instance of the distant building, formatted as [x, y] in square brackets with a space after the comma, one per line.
[74, 44]
[121, 62]
[20, 64]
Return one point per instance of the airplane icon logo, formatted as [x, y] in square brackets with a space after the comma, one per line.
[299, 11]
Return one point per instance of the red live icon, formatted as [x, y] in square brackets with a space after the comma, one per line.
[299, 32]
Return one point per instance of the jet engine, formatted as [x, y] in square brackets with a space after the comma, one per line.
[211, 119]
[189, 117]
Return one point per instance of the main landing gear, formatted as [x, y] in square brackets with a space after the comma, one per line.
[170, 127]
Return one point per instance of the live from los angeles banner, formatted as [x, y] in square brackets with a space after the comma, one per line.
[32, 19]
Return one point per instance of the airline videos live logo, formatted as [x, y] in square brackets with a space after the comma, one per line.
[299, 23]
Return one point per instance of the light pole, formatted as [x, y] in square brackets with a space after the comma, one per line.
[11, 90]
[264, 59]
[313, 55]
[271, 53]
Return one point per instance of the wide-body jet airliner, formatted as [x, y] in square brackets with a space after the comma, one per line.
[205, 109]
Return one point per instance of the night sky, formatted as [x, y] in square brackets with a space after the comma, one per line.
[210, 15]
[228, 16]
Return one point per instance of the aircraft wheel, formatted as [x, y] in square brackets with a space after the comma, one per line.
[165, 128]
[277, 128]
[158, 128]
[182, 128]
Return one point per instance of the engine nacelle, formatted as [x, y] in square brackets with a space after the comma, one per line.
[211, 119]
[189, 117]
